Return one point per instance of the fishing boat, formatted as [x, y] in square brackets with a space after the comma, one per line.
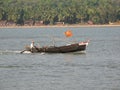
[58, 49]
[74, 47]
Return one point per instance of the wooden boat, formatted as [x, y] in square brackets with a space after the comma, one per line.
[58, 49]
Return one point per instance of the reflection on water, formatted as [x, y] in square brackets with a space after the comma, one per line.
[98, 68]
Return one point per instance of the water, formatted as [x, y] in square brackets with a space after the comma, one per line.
[97, 69]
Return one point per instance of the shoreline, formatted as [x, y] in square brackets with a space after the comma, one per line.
[61, 26]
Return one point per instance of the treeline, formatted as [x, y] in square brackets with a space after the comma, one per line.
[67, 11]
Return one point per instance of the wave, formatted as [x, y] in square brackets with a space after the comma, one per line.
[3, 52]
[6, 52]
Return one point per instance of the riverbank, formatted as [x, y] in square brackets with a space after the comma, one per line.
[73, 25]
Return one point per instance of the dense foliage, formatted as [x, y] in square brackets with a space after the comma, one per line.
[67, 11]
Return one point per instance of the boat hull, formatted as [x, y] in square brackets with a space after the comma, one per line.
[61, 49]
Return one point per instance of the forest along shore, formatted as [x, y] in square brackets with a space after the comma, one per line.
[52, 12]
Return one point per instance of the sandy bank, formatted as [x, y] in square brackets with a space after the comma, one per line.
[60, 26]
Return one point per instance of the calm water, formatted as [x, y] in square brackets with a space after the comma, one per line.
[97, 69]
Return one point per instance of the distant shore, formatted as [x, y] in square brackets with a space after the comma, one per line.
[72, 25]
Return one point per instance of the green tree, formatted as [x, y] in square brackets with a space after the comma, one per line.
[21, 17]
